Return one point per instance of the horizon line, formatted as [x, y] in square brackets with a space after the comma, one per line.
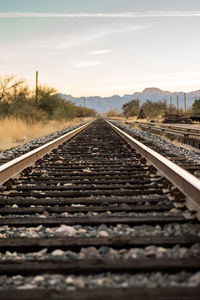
[122, 95]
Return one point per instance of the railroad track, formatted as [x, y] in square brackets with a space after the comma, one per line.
[189, 136]
[99, 216]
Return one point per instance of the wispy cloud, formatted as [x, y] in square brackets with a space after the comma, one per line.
[84, 64]
[146, 14]
[93, 36]
[99, 52]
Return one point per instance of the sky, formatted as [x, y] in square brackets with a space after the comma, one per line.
[107, 47]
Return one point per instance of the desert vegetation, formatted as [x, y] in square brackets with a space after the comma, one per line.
[14, 131]
[23, 117]
[196, 106]
[131, 108]
[18, 100]
[153, 109]
[113, 113]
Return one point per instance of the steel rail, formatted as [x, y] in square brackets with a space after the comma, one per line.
[173, 130]
[13, 167]
[170, 126]
[188, 184]
[185, 136]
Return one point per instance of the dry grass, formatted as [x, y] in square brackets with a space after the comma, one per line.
[15, 132]
[177, 143]
[158, 119]
[123, 119]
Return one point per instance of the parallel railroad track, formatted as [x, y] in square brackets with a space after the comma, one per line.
[189, 136]
[96, 217]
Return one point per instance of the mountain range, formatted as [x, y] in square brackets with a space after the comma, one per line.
[115, 102]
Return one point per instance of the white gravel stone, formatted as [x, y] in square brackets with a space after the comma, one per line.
[69, 280]
[48, 230]
[57, 252]
[87, 171]
[26, 287]
[102, 234]
[68, 184]
[22, 234]
[80, 282]
[66, 230]
[15, 206]
[195, 279]
[65, 214]
[160, 251]
[38, 278]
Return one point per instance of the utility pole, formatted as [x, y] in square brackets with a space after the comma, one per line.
[177, 105]
[170, 101]
[185, 102]
[84, 106]
[36, 88]
[165, 102]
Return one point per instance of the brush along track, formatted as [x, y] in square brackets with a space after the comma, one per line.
[93, 218]
[14, 152]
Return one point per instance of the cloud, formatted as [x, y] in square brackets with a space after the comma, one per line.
[84, 64]
[147, 14]
[92, 37]
[99, 52]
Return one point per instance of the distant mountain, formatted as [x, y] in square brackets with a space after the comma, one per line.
[102, 105]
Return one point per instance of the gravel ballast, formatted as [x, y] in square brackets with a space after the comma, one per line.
[105, 253]
[72, 282]
[172, 229]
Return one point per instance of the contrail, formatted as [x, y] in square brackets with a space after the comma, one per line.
[147, 14]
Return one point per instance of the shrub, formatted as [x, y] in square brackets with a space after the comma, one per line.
[196, 106]
[17, 100]
[154, 109]
[131, 108]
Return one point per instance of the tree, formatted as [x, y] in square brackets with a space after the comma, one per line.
[196, 106]
[113, 113]
[131, 108]
[47, 101]
[9, 86]
[17, 100]
[154, 109]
